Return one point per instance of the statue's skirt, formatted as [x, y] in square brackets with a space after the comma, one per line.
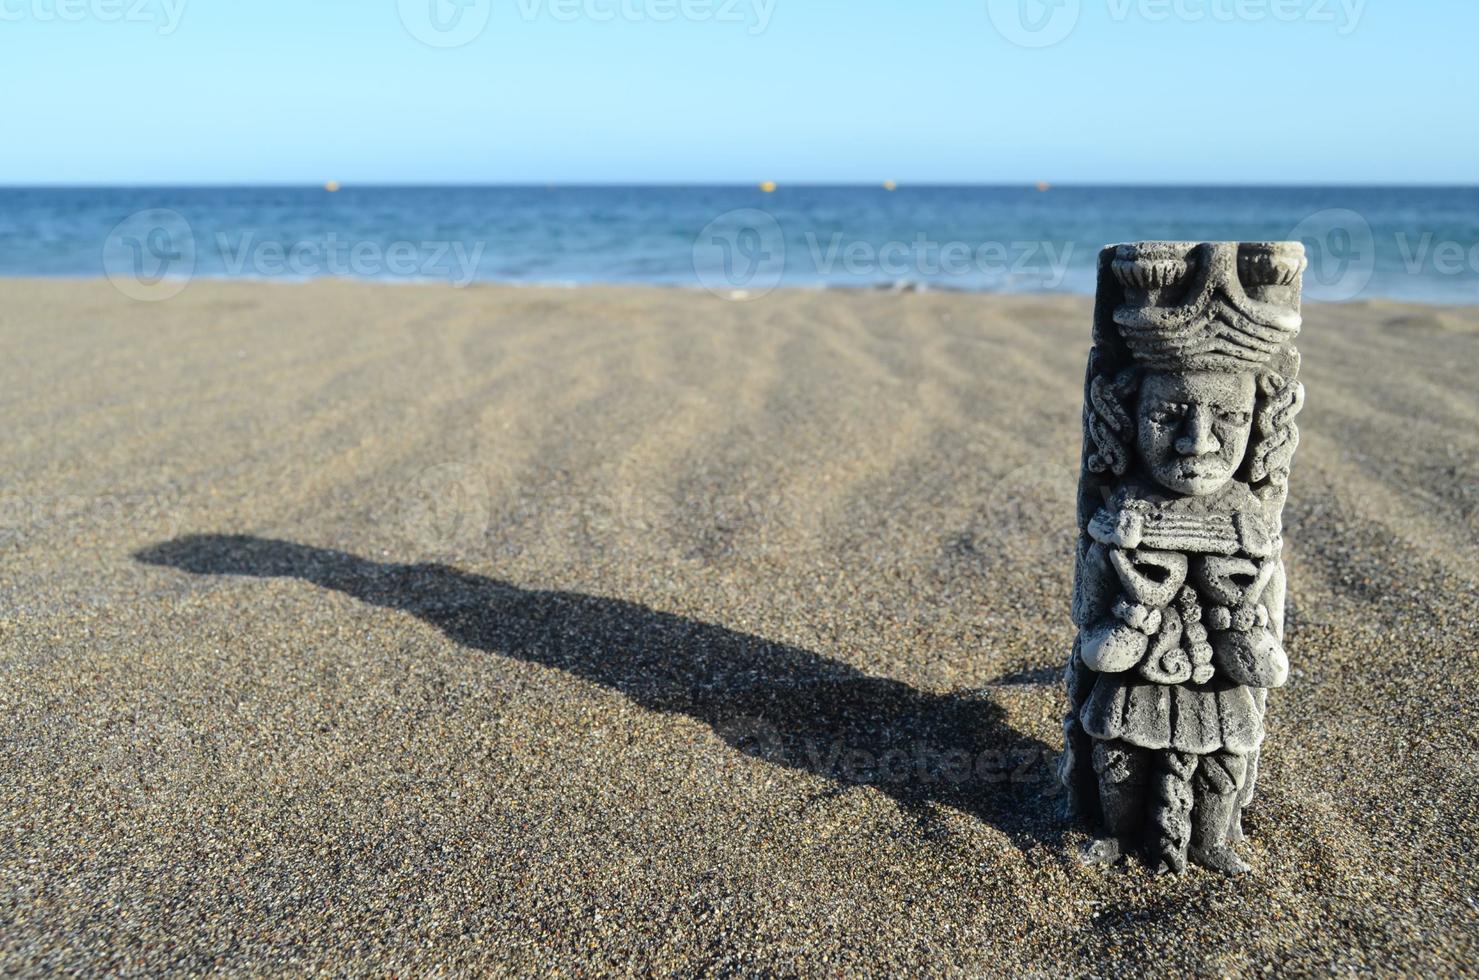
[1200, 718]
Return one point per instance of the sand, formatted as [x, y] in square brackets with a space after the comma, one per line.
[359, 628]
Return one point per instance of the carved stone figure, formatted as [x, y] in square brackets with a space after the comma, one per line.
[1179, 584]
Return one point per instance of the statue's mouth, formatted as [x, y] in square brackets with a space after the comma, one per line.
[1200, 469]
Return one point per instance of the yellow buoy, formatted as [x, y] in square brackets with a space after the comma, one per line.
[768, 187]
[331, 186]
[890, 185]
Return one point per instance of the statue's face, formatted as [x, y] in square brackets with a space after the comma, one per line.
[1193, 428]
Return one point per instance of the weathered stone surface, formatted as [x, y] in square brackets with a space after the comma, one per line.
[1189, 410]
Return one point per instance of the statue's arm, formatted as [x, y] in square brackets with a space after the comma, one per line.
[1109, 643]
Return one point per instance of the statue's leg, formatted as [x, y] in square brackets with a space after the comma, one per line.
[1121, 769]
[1219, 781]
[1245, 796]
[1172, 808]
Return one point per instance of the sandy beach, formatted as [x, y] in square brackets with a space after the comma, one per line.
[607, 630]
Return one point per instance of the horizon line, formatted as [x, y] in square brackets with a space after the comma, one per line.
[780, 185]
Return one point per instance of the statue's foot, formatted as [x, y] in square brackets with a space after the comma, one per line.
[1221, 858]
[1102, 850]
[1171, 864]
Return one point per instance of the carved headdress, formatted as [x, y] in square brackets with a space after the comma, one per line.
[1214, 306]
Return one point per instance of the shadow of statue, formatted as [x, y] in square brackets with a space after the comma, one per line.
[785, 705]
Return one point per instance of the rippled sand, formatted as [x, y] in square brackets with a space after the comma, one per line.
[600, 630]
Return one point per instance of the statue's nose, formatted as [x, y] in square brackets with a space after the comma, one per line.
[1197, 438]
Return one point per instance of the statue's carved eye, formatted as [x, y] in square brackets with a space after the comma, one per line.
[1234, 418]
[1166, 415]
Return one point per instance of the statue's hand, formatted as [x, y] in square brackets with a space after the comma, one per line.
[1110, 646]
[1254, 658]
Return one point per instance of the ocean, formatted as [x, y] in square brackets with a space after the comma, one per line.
[1411, 243]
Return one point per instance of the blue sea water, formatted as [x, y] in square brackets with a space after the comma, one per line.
[1417, 243]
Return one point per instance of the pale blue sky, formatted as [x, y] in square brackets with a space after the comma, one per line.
[1141, 91]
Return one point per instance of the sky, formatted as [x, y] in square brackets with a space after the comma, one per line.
[738, 91]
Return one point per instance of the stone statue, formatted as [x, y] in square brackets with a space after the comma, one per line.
[1179, 584]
